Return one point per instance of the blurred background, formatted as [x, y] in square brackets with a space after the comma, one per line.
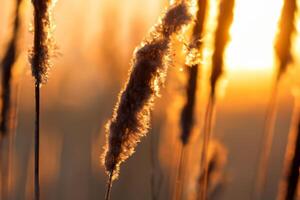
[95, 41]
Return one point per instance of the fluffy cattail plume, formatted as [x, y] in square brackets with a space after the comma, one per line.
[8, 62]
[283, 41]
[43, 42]
[130, 120]
[217, 159]
[283, 45]
[290, 181]
[221, 40]
[225, 19]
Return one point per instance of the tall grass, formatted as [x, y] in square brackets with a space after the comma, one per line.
[225, 19]
[156, 183]
[40, 64]
[130, 120]
[187, 113]
[283, 52]
[7, 64]
[290, 180]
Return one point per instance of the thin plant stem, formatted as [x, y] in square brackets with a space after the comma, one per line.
[290, 176]
[203, 184]
[187, 113]
[7, 64]
[187, 120]
[225, 20]
[155, 189]
[37, 143]
[178, 183]
[108, 186]
[267, 142]
[2, 171]
[293, 176]
[8, 165]
[39, 57]
[152, 160]
[12, 135]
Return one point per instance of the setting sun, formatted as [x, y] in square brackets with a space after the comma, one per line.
[252, 35]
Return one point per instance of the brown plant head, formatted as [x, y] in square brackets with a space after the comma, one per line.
[175, 17]
[283, 41]
[131, 116]
[43, 41]
[225, 19]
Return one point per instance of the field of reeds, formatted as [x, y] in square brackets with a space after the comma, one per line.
[158, 100]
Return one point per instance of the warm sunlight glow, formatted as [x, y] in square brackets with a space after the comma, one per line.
[252, 33]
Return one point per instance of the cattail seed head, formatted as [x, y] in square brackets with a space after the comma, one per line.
[175, 17]
[131, 116]
[284, 37]
[187, 113]
[43, 41]
[221, 39]
[130, 120]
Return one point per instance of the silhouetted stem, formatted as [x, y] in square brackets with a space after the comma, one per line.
[267, 142]
[203, 184]
[155, 188]
[293, 175]
[12, 135]
[108, 186]
[152, 160]
[7, 67]
[6, 146]
[37, 142]
[290, 179]
[179, 174]
[2, 171]
[7, 64]
[187, 113]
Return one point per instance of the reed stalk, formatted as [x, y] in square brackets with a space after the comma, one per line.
[7, 113]
[179, 175]
[131, 117]
[37, 144]
[290, 176]
[283, 44]
[270, 122]
[225, 19]
[8, 62]
[203, 183]
[40, 65]
[187, 113]
[155, 188]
